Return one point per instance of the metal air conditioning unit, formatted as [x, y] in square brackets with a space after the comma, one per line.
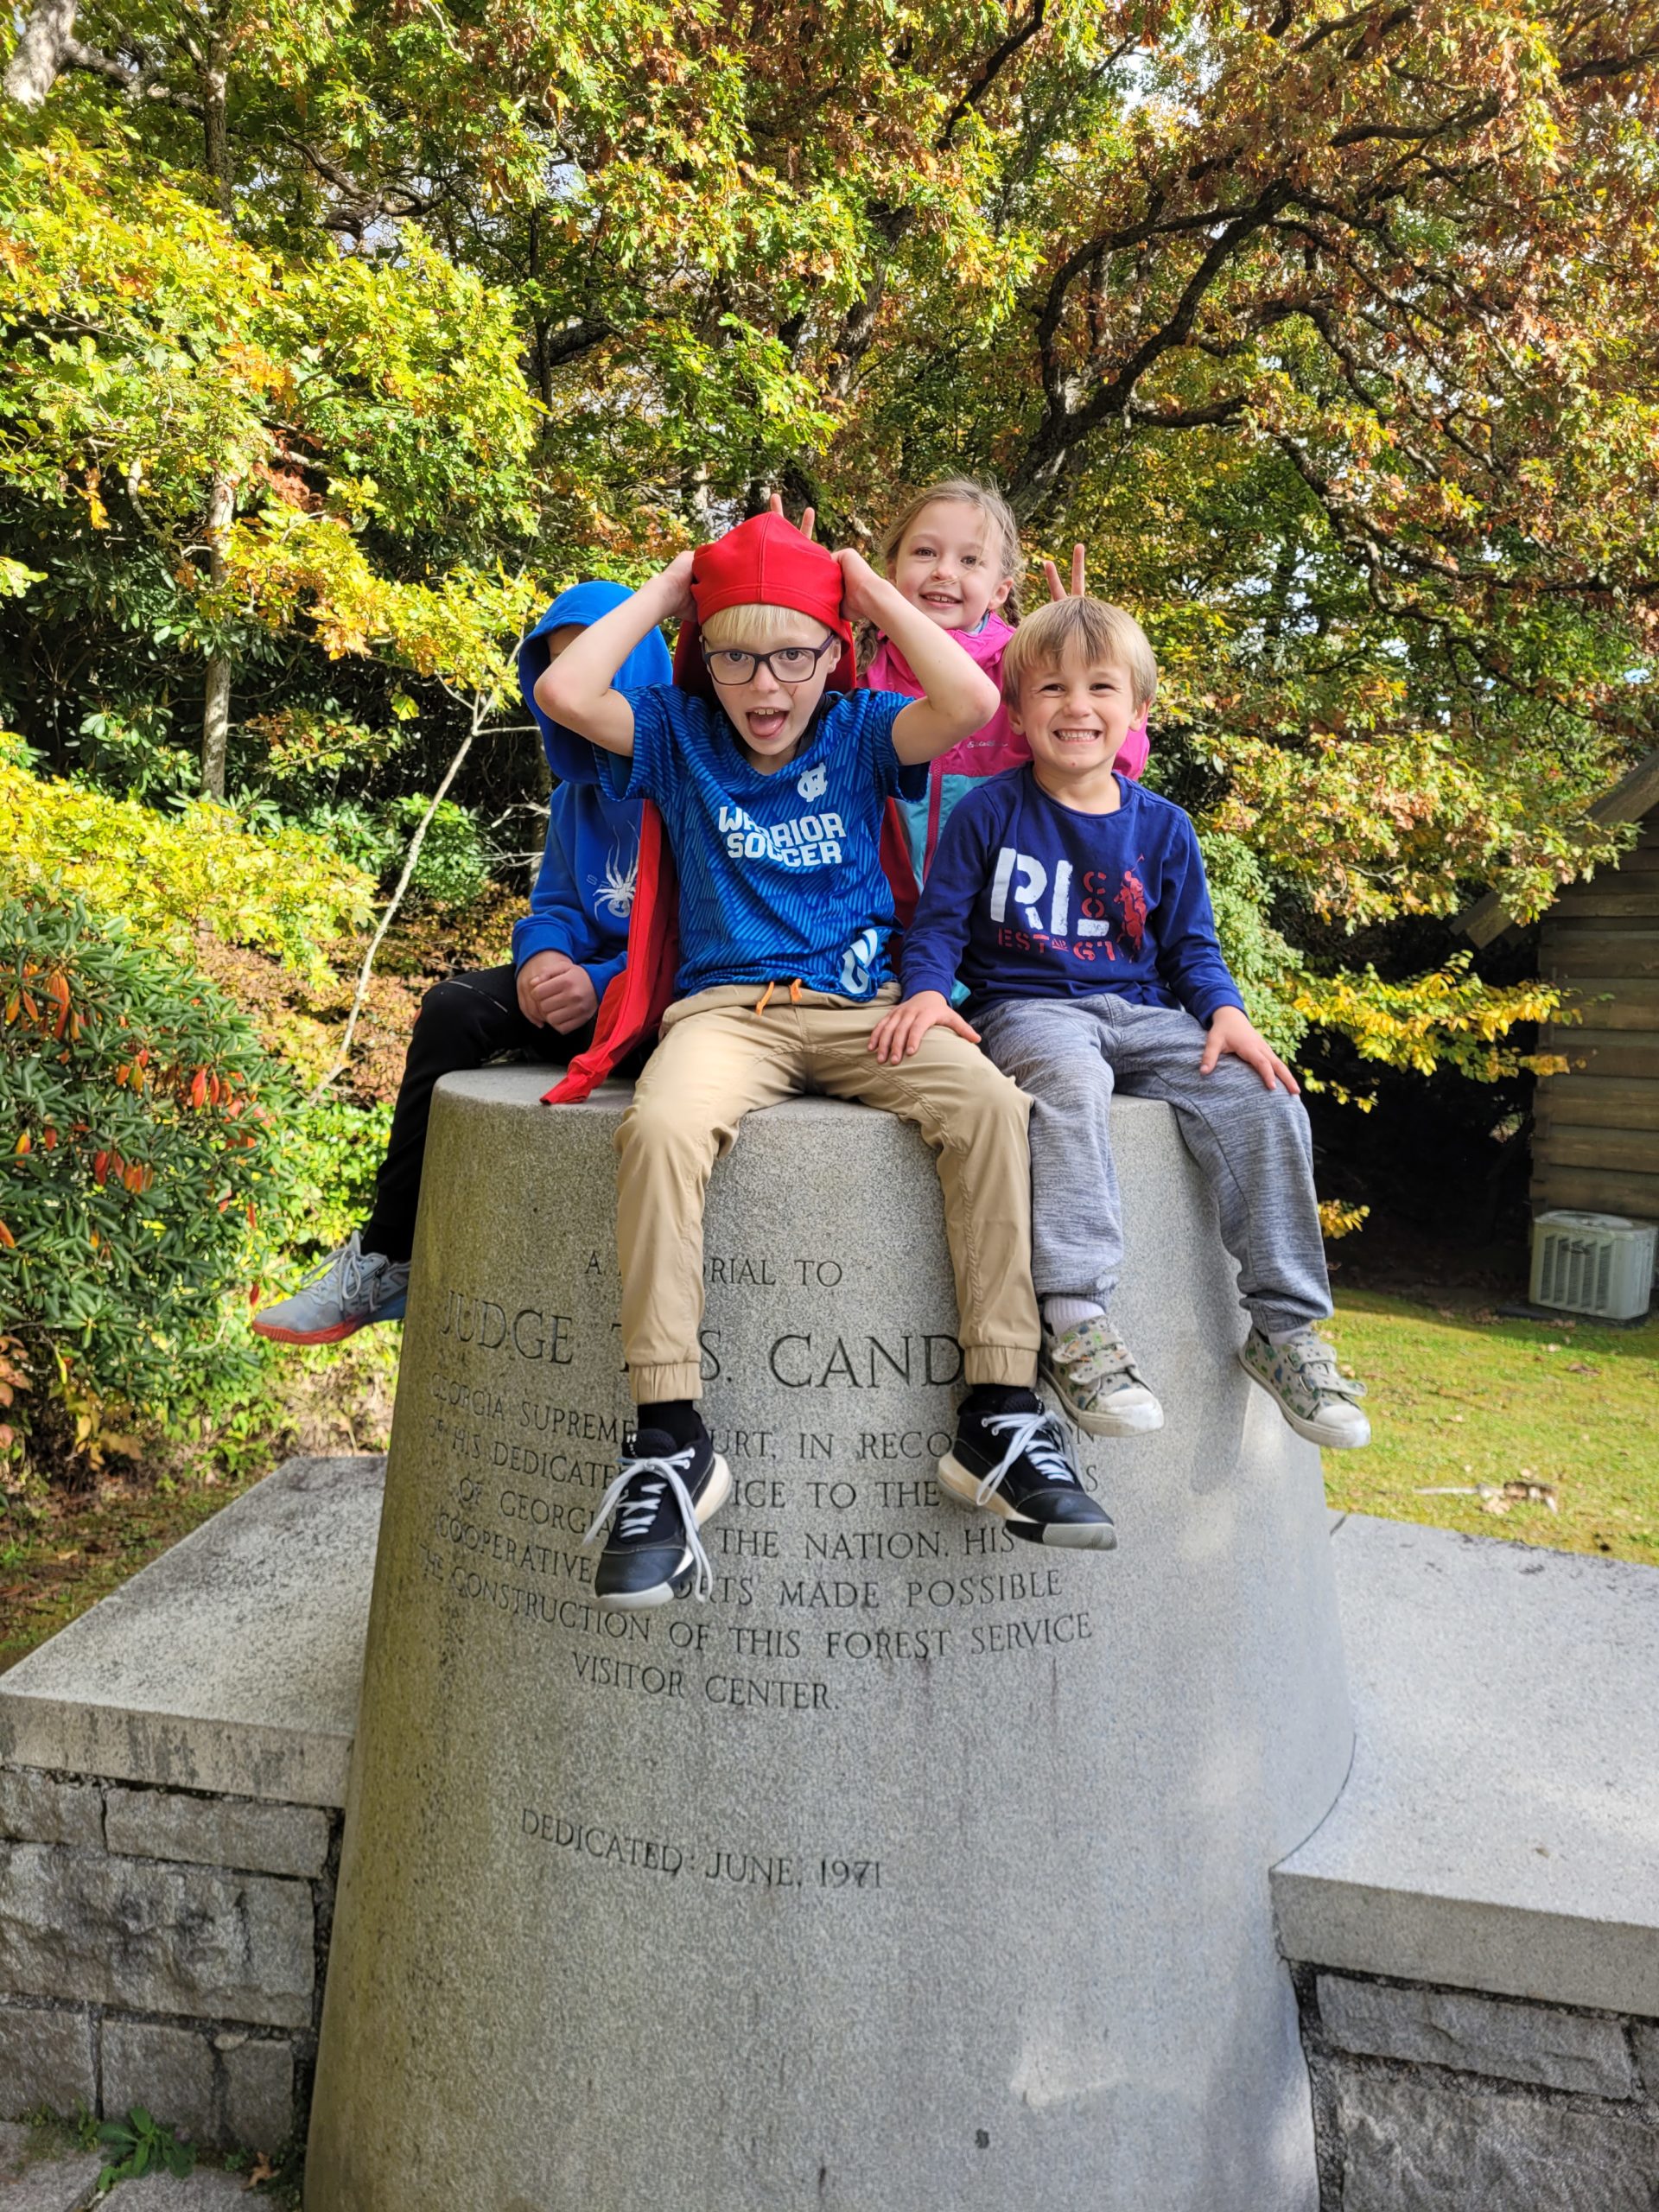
[1599, 1263]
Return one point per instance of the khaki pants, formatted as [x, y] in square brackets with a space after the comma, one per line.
[717, 1060]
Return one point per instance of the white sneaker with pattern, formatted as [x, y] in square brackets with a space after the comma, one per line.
[1301, 1376]
[1097, 1381]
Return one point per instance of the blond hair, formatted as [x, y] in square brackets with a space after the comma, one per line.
[757, 628]
[1001, 530]
[1090, 630]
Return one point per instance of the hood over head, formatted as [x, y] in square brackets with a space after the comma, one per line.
[571, 757]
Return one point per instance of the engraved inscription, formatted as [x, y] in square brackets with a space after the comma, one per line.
[797, 1622]
[737, 1866]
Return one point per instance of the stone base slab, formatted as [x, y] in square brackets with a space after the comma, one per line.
[1485, 1730]
[163, 1943]
[1433, 2099]
[231, 1665]
[1500, 1830]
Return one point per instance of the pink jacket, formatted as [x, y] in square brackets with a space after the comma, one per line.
[996, 746]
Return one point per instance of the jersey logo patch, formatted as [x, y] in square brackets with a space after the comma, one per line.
[857, 961]
[813, 782]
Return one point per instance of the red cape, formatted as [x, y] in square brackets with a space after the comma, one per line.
[631, 1009]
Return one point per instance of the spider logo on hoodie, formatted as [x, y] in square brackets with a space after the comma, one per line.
[615, 895]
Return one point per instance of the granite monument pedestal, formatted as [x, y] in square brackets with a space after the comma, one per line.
[919, 1868]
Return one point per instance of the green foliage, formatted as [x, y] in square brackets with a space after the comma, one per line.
[151, 347]
[297, 750]
[140, 1175]
[128, 748]
[333, 1150]
[140, 2145]
[161, 875]
[148, 355]
[453, 865]
[1449, 1020]
[363, 838]
[1263, 962]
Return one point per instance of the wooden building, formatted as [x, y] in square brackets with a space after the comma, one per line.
[1596, 1134]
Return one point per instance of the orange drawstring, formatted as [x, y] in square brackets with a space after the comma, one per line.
[765, 999]
[795, 992]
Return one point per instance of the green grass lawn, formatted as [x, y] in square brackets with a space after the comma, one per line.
[1458, 1397]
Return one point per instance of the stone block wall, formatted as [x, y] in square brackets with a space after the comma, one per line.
[1435, 2099]
[164, 1948]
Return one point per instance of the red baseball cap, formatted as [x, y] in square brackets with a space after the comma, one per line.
[765, 562]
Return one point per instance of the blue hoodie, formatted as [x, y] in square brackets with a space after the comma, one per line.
[584, 888]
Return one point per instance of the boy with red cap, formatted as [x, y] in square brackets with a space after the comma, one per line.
[772, 777]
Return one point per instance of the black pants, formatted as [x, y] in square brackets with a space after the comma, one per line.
[462, 1023]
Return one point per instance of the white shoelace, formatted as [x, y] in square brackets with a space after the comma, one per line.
[347, 1264]
[635, 1514]
[359, 1283]
[1030, 1433]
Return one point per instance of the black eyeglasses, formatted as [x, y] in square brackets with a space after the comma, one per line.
[787, 663]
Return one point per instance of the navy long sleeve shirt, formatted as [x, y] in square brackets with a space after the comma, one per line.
[1029, 899]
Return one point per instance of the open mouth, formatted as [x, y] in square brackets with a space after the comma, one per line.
[766, 725]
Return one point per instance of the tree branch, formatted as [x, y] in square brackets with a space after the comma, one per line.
[392, 905]
[1218, 412]
[998, 59]
[38, 55]
[1612, 64]
[1063, 427]
[1360, 16]
[564, 345]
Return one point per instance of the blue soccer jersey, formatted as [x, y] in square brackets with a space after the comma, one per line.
[781, 875]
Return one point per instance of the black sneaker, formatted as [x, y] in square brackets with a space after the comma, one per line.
[663, 1492]
[1014, 1464]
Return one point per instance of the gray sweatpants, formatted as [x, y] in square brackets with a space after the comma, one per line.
[1254, 1145]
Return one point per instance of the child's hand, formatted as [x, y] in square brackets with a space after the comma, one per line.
[900, 1033]
[808, 515]
[862, 590]
[1055, 589]
[555, 992]
[1233, 1032]
[673, 587]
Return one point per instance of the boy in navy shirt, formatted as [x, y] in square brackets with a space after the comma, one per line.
[773, 778]
[1072, 903]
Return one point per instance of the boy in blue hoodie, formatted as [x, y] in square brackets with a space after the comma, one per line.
[1073, 905]
[541, 1004]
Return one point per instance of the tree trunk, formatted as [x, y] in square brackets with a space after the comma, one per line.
[216, 692]
[539, 323]
[221, 499]
[215, 135]
[38, 55]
